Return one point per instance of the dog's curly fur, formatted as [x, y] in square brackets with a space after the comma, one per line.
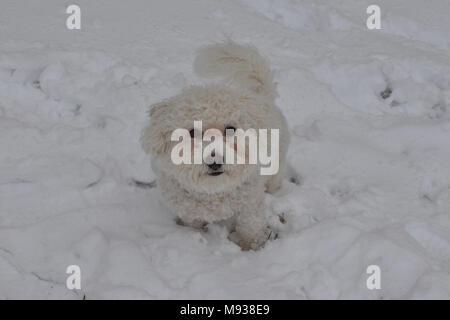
[244, 98]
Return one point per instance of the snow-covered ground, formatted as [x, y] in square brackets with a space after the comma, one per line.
[370, 122]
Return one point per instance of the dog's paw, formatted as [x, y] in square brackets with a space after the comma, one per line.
[249, 243]
[196, 224]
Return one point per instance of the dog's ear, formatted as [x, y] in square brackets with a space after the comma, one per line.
[155, 137]
[158, 108]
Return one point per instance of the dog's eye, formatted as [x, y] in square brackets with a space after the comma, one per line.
[230, 128]
[193, 131]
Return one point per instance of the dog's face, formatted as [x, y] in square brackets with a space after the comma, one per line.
[218, 108]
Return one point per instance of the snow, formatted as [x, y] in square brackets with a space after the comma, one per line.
[372, 172]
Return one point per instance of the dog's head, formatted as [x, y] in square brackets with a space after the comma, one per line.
[218, 108]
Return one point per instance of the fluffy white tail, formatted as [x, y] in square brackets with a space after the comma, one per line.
[241, 65]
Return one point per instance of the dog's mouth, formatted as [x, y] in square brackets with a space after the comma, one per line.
[216, 173]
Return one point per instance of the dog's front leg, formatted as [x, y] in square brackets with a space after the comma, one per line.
[251, 227]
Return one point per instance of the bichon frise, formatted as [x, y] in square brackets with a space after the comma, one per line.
[244, 98]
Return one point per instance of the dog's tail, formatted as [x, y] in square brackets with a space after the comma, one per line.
[238, 64]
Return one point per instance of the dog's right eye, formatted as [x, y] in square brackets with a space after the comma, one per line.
[192, 132]
[230, 129]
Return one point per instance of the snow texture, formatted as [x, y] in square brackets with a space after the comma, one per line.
[369, 163]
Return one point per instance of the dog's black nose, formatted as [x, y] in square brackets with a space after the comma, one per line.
[215, 166]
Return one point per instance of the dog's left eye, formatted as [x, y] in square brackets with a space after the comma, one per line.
[192, 133]
[230, 128]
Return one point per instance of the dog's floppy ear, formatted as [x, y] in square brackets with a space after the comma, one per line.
[155, 137]
[158, 108]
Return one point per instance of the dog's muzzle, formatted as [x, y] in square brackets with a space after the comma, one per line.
[215, 168]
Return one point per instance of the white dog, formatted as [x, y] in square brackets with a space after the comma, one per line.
[245, 98]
